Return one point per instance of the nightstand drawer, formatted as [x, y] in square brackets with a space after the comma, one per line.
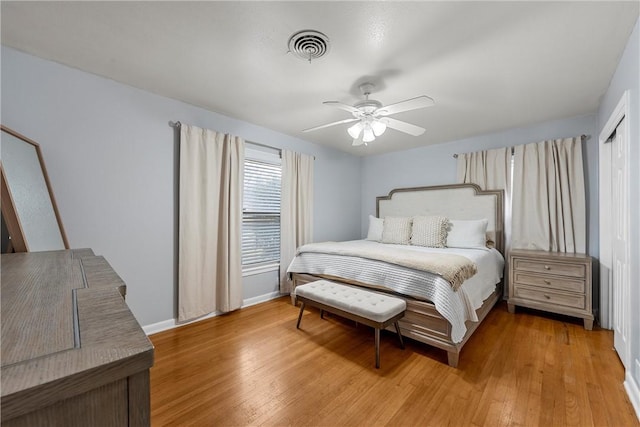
[575, 301]
[561, 269]
[551, 282]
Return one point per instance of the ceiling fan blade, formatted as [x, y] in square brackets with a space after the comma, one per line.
[331, 124]
[343, 106]
[403, 126]
[409, 104]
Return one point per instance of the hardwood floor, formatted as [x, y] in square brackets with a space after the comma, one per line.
[253, 367]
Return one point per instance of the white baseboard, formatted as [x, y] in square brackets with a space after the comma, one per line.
[633, 391]
[165, 325]
[159, 327]
[261, 298]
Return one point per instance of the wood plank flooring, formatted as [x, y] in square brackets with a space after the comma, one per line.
[253, 367]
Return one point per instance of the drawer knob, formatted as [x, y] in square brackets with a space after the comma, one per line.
[547, 296]
[547, 282]
[546, 267]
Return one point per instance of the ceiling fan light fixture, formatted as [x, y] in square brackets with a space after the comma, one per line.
[378, 127]
[354, 131]
[368, 134]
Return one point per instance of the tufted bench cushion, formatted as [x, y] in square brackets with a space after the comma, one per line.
[370, 305]
[371, 308]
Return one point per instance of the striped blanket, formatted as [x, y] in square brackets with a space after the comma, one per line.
[455, 269]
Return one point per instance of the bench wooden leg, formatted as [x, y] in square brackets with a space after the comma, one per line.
[300, 315]
[322, 314]
[377, 348]
[399, 334]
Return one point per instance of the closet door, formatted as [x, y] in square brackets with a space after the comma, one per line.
[620, 246]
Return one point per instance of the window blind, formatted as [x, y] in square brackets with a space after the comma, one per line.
[261, 213]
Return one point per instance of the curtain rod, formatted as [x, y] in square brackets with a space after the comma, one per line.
[582, 137]
[279, 150]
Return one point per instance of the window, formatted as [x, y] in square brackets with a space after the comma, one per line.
[261, 211]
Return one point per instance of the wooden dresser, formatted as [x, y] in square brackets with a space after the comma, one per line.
[551, 281]
[72, 352]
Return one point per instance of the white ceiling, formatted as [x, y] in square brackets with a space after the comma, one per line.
[488, 65]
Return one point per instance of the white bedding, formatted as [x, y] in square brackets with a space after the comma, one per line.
[455, 306]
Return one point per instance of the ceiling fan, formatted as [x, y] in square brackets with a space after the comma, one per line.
[372, 119]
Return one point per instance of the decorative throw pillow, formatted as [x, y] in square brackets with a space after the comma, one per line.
[396, 230]
[375, 228]
[430, 231]
[467, 234]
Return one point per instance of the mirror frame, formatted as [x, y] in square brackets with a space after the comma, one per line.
[18, 242]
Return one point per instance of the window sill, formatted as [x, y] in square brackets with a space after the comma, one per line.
[251, 271]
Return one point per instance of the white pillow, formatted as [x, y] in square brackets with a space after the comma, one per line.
[467, 234]
[429, 231]
[375, 228]
[396, 230]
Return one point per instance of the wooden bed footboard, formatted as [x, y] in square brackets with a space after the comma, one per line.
[421, 322]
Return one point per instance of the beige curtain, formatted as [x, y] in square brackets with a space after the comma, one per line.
[296, 217]
[490, 169]
[549, 196]
[209, 264]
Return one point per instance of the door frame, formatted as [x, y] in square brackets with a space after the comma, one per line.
[604, 162]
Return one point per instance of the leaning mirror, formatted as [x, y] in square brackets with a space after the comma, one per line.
[28, 207]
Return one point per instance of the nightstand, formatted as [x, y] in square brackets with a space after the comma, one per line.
[551, 281]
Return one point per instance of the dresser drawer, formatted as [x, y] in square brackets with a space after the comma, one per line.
[551, 282]
[550, 267]
[567, 300]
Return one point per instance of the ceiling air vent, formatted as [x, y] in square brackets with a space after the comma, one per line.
[309, 44]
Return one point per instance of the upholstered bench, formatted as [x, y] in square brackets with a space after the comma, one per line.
[370, 308]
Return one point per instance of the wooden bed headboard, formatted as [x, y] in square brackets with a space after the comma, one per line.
[455, 201]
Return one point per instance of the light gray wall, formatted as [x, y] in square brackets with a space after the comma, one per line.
[111, 158]
[627, 77]
[433, 165]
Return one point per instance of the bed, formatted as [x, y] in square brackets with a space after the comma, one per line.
[443, 310]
